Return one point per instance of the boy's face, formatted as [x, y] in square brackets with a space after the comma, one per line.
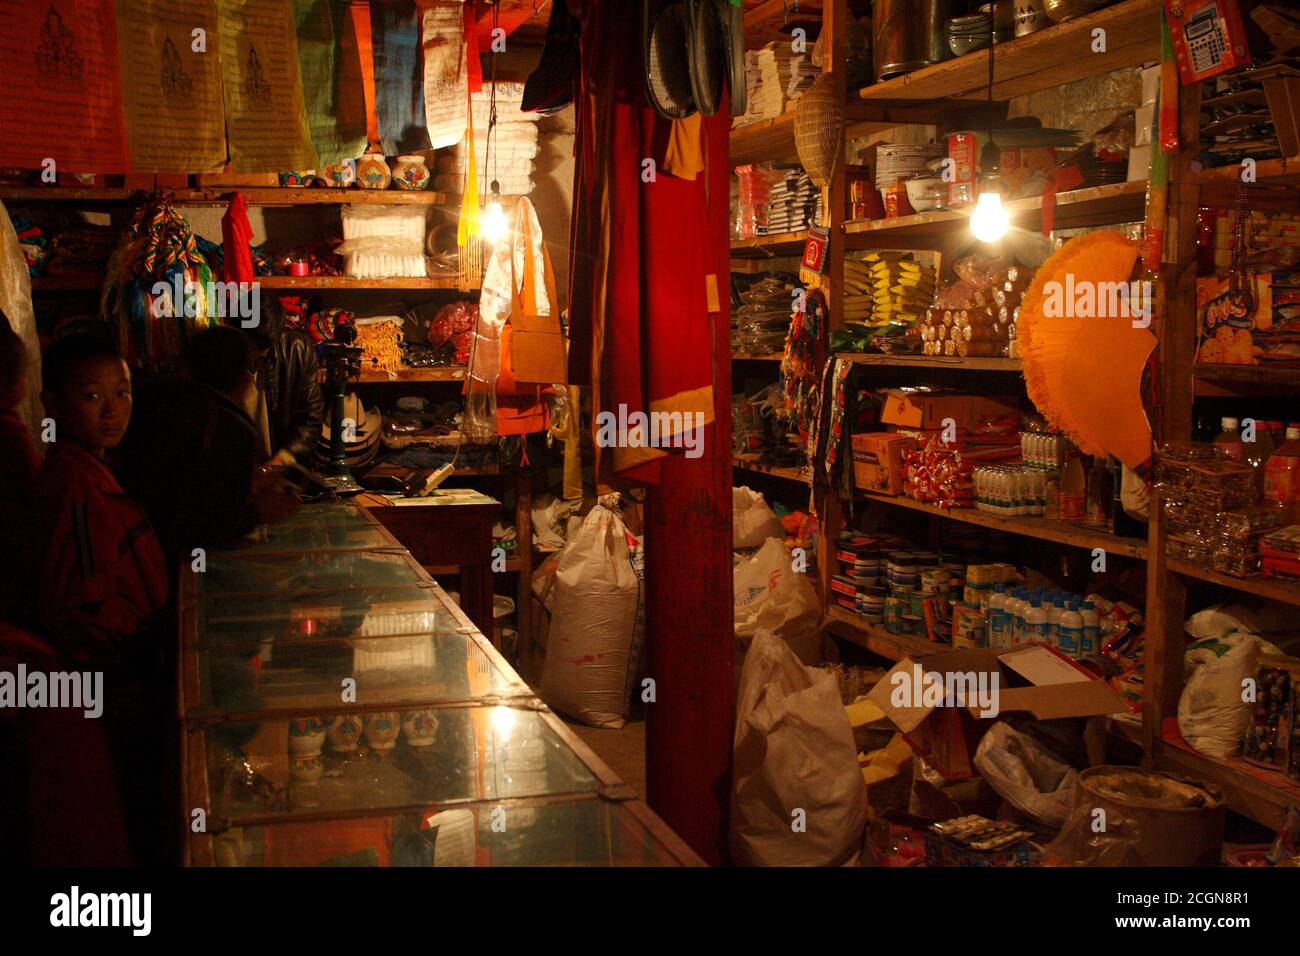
[95, 405]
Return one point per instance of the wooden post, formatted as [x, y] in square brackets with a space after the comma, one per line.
[689, 636]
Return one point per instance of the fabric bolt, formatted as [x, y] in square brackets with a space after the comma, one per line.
[399, 87]
[331, 80]
[366, 57]
[236, 241]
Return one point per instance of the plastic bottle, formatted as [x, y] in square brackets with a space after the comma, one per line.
[1090, 642]
[1229, 439]
[1259, 451]
[1016, 617]
[1036, 623]
[1282, 474]
[1054, 607]
[1073, 488]
[998, 618]
[1070, 630]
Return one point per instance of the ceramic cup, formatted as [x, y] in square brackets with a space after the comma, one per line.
[409, 172]
[307, 768]
[306, 735]
[373, 172]
[340, 175]
[344, 734]
[297, 178]
[382, 729]
[419, 727]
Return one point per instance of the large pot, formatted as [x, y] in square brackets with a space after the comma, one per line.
[1178, 822]
[909, 34]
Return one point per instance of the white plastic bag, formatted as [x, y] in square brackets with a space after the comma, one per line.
[768, 594]
[1027, 775]
[797, 796]
[1212, 716]
[752, 521]
[596, 631]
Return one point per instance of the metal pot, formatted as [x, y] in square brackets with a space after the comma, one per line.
[909, 34]
[1030, 17]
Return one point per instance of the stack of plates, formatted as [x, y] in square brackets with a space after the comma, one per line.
[902, 162]
[1098, 173]
[364, 444]
[967, 34]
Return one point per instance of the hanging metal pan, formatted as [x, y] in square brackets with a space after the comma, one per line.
[665, 48]
[708, 53]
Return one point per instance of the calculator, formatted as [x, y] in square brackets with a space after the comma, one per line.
[1209, 38]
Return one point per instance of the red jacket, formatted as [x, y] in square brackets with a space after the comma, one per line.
[102, 574]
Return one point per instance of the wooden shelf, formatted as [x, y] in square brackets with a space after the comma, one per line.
[757, 357]
[932, 361]
[1045, 529]
[447, 373]
[789, 474]
[1268, 172]
[772, 140]
[873, 637]
[770, 247]
[220, 195]
[1219, 379]
[1093, 206]
[1059, 54]
[1275, 589]
[350, 283]
[1248, 790]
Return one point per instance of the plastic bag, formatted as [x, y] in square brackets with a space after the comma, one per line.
[1083, 841]
[798, 798]
[752, 521]
[768, 594]
[1212, 716]
[1027, 775]
[597, 625]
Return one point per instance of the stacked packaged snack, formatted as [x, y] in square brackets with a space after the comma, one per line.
[886, 289]
[976, 315]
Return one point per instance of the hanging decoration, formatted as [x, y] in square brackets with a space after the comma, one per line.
[399, 86]
[158, 290]
[1084, 345]
[446, 75]
[330, 64]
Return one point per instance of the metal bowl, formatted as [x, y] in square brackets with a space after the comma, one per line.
[1058, 11]
[1030, 17]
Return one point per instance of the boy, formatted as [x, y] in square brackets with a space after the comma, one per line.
[102, 576]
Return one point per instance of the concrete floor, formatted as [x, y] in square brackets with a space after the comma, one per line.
[622, 750]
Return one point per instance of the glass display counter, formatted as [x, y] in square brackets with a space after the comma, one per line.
[339, 709]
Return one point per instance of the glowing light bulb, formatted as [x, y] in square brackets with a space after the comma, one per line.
[989, 222]
[503, 720]
[494, 224]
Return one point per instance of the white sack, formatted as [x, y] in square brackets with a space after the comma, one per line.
[793, 751]
[768, 594]
[597, 623]
[1212, 716]
[752, 521]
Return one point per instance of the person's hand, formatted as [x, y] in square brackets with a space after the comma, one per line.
[271, 496]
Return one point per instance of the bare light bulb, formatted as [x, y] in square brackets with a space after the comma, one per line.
[989, 222]
[494, 225]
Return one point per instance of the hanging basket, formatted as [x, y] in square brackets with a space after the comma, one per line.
[819, 129]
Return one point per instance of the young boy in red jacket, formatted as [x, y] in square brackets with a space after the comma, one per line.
[102, 575]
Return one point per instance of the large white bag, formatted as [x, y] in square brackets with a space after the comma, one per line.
[1212, 716]
[1027, 775]
[752, 521]
[793, 752]
[594, 645]
[768, 594]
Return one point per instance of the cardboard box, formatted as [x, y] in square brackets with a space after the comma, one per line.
[927, 409]
[1033, 680]
[878, 461]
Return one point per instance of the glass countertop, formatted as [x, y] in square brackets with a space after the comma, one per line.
[387, 759]
[582, 832]
[303, 573]
[311, 537]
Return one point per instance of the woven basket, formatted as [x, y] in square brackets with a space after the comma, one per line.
[819, 129]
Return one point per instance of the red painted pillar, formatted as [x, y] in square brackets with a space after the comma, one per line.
[689, 637]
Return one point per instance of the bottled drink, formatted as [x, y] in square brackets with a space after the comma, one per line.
[1073, 488]
[1282, 474]
[1071, 630]
[998, 618]
[1090, 641]
[1036, 623]
[1101, 494]
[1016, 617]
[1054, 607]
[1229, 439]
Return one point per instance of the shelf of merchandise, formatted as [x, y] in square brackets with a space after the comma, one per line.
[845, 624]
[757, 356]
[449, 373]
[974, 364]
[1051, 57]
[772, 140]
[1213, 379]
[220, 195]
[348, 283]
[1268, 172]
[776, 471]
[1045, 529]
[770, 246]
[1092, 206]
[1274, 589]
[1263, 796]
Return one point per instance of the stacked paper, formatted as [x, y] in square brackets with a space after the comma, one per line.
[774, 77]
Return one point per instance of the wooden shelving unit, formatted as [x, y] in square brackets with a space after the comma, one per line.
[789, 474]
[756, 356]
[769, 247]
[1274, 589]
[873, 637]
[991, 364]
[348, 283]
[220, 195]
[447, 373]
[1044, 529]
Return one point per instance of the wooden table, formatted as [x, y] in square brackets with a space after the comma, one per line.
[450, 532]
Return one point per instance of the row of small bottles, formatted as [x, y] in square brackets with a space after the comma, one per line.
[1052, 617]
[1274, 452]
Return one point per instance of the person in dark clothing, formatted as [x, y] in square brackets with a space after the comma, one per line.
[289, 390]
[18, 464]
[194, 459]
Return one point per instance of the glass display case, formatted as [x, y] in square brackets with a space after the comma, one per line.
[340, 709]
